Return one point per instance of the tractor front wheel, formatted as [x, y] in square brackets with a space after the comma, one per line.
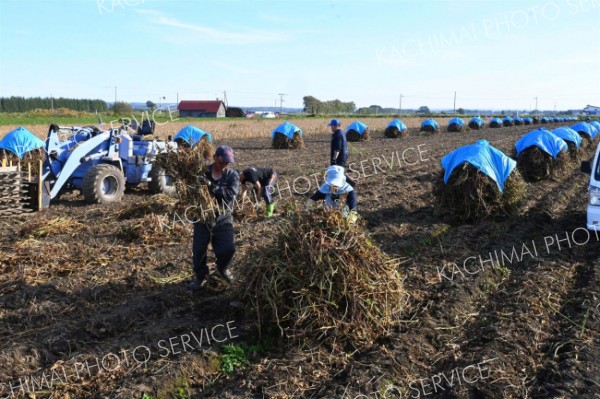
[103, 184]
[160, 182]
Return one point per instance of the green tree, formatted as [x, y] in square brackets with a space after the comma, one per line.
[150, 104]
[122, 108]
[423, 109]
[460, 111]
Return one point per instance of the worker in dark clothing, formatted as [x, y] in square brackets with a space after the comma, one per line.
[263, 182]
[339, 148]
[339, 145]
[224, 185]
[332, 191]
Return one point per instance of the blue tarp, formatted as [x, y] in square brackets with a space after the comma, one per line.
[288, 129]
[496, 120]
[476, 120]
[597, 124]
[544, 119]
[566, 133]
[456, 121]
[484, 157]
[358, 127]
[518, 119]
[594, 130]
[20, 141]
[585, 128]
[191, 134]
[544, 139]
[430, 122]
[398, 124]
[507, 119]
[527, 120]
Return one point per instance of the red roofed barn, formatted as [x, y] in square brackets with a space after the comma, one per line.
[201, 109]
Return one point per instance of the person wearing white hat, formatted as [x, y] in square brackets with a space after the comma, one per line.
[332, 191]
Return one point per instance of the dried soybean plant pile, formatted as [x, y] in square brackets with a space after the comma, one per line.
[393, 132]
[536, 164]
[323, 281]
[353, 136]
[282, 142]
[587, 142]
[184, 167]
[574, 152]
[471, 195]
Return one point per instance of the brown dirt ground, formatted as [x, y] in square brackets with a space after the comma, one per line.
[80, 281]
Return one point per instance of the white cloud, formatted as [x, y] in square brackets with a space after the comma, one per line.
[203, 33]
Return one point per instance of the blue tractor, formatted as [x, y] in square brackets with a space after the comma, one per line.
[101, 163]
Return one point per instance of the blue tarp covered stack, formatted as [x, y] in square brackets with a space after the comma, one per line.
[357, 131]
[190, 135]
[287, 135]
[476, 123]
[479, 180]
[455, 125]
[540, 154]
[586, 133]
[572, 138]
[395, 129]
[19, 142]
[429, 125]
[495, 123]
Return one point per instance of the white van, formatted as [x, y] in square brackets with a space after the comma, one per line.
[593, 209]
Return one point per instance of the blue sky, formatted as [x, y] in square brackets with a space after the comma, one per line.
[494, 54]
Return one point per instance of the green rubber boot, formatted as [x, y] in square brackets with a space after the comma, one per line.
[270, 208]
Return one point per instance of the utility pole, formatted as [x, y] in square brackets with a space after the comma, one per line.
[115, 105]
[225, 99]
[400, 105]
[178, 98]
[281, 102]
[51, 102]
[454, 103]
[536, 103]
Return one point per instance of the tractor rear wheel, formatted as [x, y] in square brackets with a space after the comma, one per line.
[103, 184]
[160, 182]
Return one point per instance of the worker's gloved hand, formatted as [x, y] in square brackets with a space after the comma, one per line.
[202, 180]
[352, 217]
[333, 161]
[310, 205]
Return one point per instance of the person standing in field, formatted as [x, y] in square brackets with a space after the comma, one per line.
[224, 184]
[339, 147]
[263, 181]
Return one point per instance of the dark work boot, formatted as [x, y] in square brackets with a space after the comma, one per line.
[196, 283]
[223, 262]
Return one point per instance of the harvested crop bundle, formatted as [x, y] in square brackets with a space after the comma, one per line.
[393, 132]
[354, 136]
[357, 131]
[536, 164]
[586, 140]
[281, 141]
[323, 280]
[470, 195]
[453, 127]
[184, 166]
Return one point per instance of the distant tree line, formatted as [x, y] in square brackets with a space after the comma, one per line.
[22, 104]
[313, 105]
